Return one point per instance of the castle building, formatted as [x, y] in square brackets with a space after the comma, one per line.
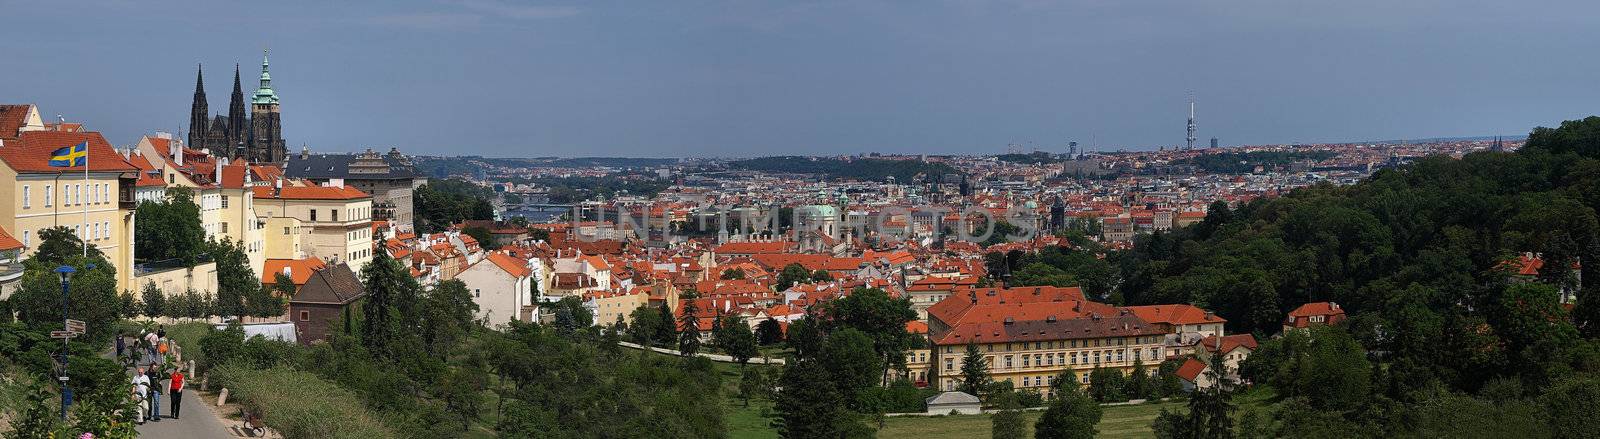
[257, 138]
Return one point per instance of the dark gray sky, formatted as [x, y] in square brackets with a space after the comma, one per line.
[745, 77]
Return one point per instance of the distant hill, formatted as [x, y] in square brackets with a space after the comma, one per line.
[1243, 162]
[858, 169]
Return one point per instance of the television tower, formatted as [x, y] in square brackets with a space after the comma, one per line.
[1191, 138]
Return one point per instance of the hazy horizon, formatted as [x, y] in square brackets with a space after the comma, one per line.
[756, 78]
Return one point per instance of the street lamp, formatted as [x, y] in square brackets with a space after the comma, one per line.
[65, 271]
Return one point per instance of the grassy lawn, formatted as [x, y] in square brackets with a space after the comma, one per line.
[1126, 421]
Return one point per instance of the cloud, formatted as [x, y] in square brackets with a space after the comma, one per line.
[507, 10]
[429, 21]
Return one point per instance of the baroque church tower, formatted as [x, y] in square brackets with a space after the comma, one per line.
[258, 138]
[266, 134]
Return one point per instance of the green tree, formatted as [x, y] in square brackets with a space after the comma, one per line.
[974, 372]
[170, 228]
[235, 278]
[852, 364]
[732, 274]
[689, 332]
[1581, 137]
[220, 347]
[155, 302]
[484, 237]
[736, 339]
[646, 322]
[1008, 422]
[880, 317]
[1106, 385]
[1072, 415]
[93, 294]
[667, 330]
[390, 310]
[752, 383]
[448, 316]
[806, 409]
[791, 275]
[769, 332]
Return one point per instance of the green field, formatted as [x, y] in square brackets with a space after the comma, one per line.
[1125, 421]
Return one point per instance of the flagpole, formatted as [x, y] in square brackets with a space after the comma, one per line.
[84, 191]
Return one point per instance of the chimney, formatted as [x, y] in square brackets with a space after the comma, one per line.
[219, 165]
[288, 271]
[176, 149]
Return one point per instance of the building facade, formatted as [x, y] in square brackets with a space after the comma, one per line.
[390, 178]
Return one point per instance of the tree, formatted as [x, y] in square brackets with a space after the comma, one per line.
[1106, 385]
[806, 409]
[732, 274]
[646, 322]
[689, 332]
[93, 292]
[1072, 415]
[1210, 412]
[752, 383]
[1580, 137]
[461, 389]
[791, 275]
[448, 316]
[389, 314]
[220, 347]
[851, 364]
[1137, 386]
[667, 329]
[235, 278]
[484, 237]
[881, 318]
[1008, 422]
[170, 228]
[974, 372]
[769, 332]
[736, 340]
[821, 276]
[155, 302]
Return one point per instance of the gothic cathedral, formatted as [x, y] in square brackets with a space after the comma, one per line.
[257, 139]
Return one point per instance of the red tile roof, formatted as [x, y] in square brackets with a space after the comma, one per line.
[511, 265]
[310, 192]
[7, 242]
[33, 150]
[11, 119]
[299, 269]
[1228, 343]
[1191, 369]
[752, 248]
[1175, 314]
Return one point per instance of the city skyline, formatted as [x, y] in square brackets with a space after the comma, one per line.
[747, 79]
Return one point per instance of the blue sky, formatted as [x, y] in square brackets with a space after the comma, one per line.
[742, 78]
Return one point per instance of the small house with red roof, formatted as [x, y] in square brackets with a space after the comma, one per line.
[503, 287]
[1313, 314]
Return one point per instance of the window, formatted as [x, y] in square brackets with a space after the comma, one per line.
[27, 196]
[224, 201]
[313, 214]
[286, 230]
[305, 316]
[1008, 362]
[333, 214]
[948, 363]
[48, 194]
[25, 240]
[224, 227]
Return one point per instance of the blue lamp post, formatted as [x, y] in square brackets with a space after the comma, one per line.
[65, 271]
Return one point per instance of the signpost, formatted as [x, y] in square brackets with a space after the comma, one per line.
[63, 334]
[75, 326]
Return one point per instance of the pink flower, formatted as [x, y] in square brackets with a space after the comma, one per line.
[87, 436]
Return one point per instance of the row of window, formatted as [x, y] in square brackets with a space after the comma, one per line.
[1063, 344]
[1061, 358]
[353, 214]
[97, 232]
[360, 254]
[71, 194]
[358, 234]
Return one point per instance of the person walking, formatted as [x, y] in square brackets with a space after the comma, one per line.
[141, 386]
[151, 339]
[175, 392]
[155, 393]
[138, 403]
[122, 344]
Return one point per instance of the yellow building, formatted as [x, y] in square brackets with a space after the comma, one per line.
[1030, 335]
[335, 222]
[99, 208]
[222, 190]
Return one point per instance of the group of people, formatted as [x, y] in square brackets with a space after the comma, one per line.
[147, 380]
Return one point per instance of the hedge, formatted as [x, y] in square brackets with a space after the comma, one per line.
[300, 404]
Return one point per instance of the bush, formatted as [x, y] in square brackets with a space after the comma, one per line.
[301, 404]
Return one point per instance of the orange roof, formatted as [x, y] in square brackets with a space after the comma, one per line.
[7, 242]
[1317, 309]
[1228, 343]
[299, 269]
[1191, 369]
[11, 119]
[813, 262]
[751, 248]
[33, 151]
[511, 265]
[310, 192]
[1175, 314]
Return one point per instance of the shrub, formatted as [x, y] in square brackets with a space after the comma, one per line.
[301, 404]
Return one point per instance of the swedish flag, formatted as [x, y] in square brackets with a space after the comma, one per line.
[75, 155]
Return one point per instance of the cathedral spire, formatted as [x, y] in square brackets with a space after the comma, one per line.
[199, 113]
[264, 94]
[238, 130]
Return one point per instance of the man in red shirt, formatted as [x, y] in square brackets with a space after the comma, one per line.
[176, 395]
